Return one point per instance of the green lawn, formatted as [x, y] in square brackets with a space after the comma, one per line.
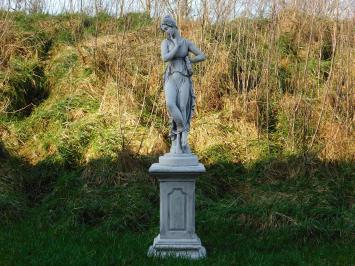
[245, 216]
[31, 243]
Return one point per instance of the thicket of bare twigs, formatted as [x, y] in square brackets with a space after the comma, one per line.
[284, 79]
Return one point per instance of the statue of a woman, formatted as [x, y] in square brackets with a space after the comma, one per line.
[179, 92]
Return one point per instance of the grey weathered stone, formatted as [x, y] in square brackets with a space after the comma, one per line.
[178, 86]
[177, 170]
[177, 235]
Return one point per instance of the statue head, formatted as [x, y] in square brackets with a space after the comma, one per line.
[168, 25]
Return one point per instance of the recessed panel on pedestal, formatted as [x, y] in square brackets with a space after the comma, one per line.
[177, 216]
[177, 200]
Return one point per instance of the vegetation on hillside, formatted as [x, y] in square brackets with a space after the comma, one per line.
[82, 117]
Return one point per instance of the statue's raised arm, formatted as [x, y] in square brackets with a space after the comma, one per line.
[199, 56]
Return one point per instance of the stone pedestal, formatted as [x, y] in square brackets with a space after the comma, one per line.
[177, 174]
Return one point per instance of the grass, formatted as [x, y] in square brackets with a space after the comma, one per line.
[74, 187]
[272, 212]
[26, 86]
[30, 243]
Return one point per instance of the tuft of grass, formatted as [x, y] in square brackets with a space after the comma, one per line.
[24, 86]
[12, 200]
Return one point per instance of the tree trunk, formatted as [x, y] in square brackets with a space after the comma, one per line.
[183, 9]
[148, 7]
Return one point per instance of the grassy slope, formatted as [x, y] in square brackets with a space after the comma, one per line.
[69, 192]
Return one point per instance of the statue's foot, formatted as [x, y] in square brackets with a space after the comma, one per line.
[184, 139]
[186, 149]
[173, 146]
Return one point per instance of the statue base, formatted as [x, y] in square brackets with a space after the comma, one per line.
[177, 177]
[179, 248]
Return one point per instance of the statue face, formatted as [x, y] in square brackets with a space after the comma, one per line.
[168, 30]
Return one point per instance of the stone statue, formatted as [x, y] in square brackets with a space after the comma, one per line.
[178, 88]
[177, 170]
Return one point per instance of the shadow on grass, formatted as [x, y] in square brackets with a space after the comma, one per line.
[272, 206]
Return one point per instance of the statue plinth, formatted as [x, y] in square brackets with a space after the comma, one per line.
[177, 176]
